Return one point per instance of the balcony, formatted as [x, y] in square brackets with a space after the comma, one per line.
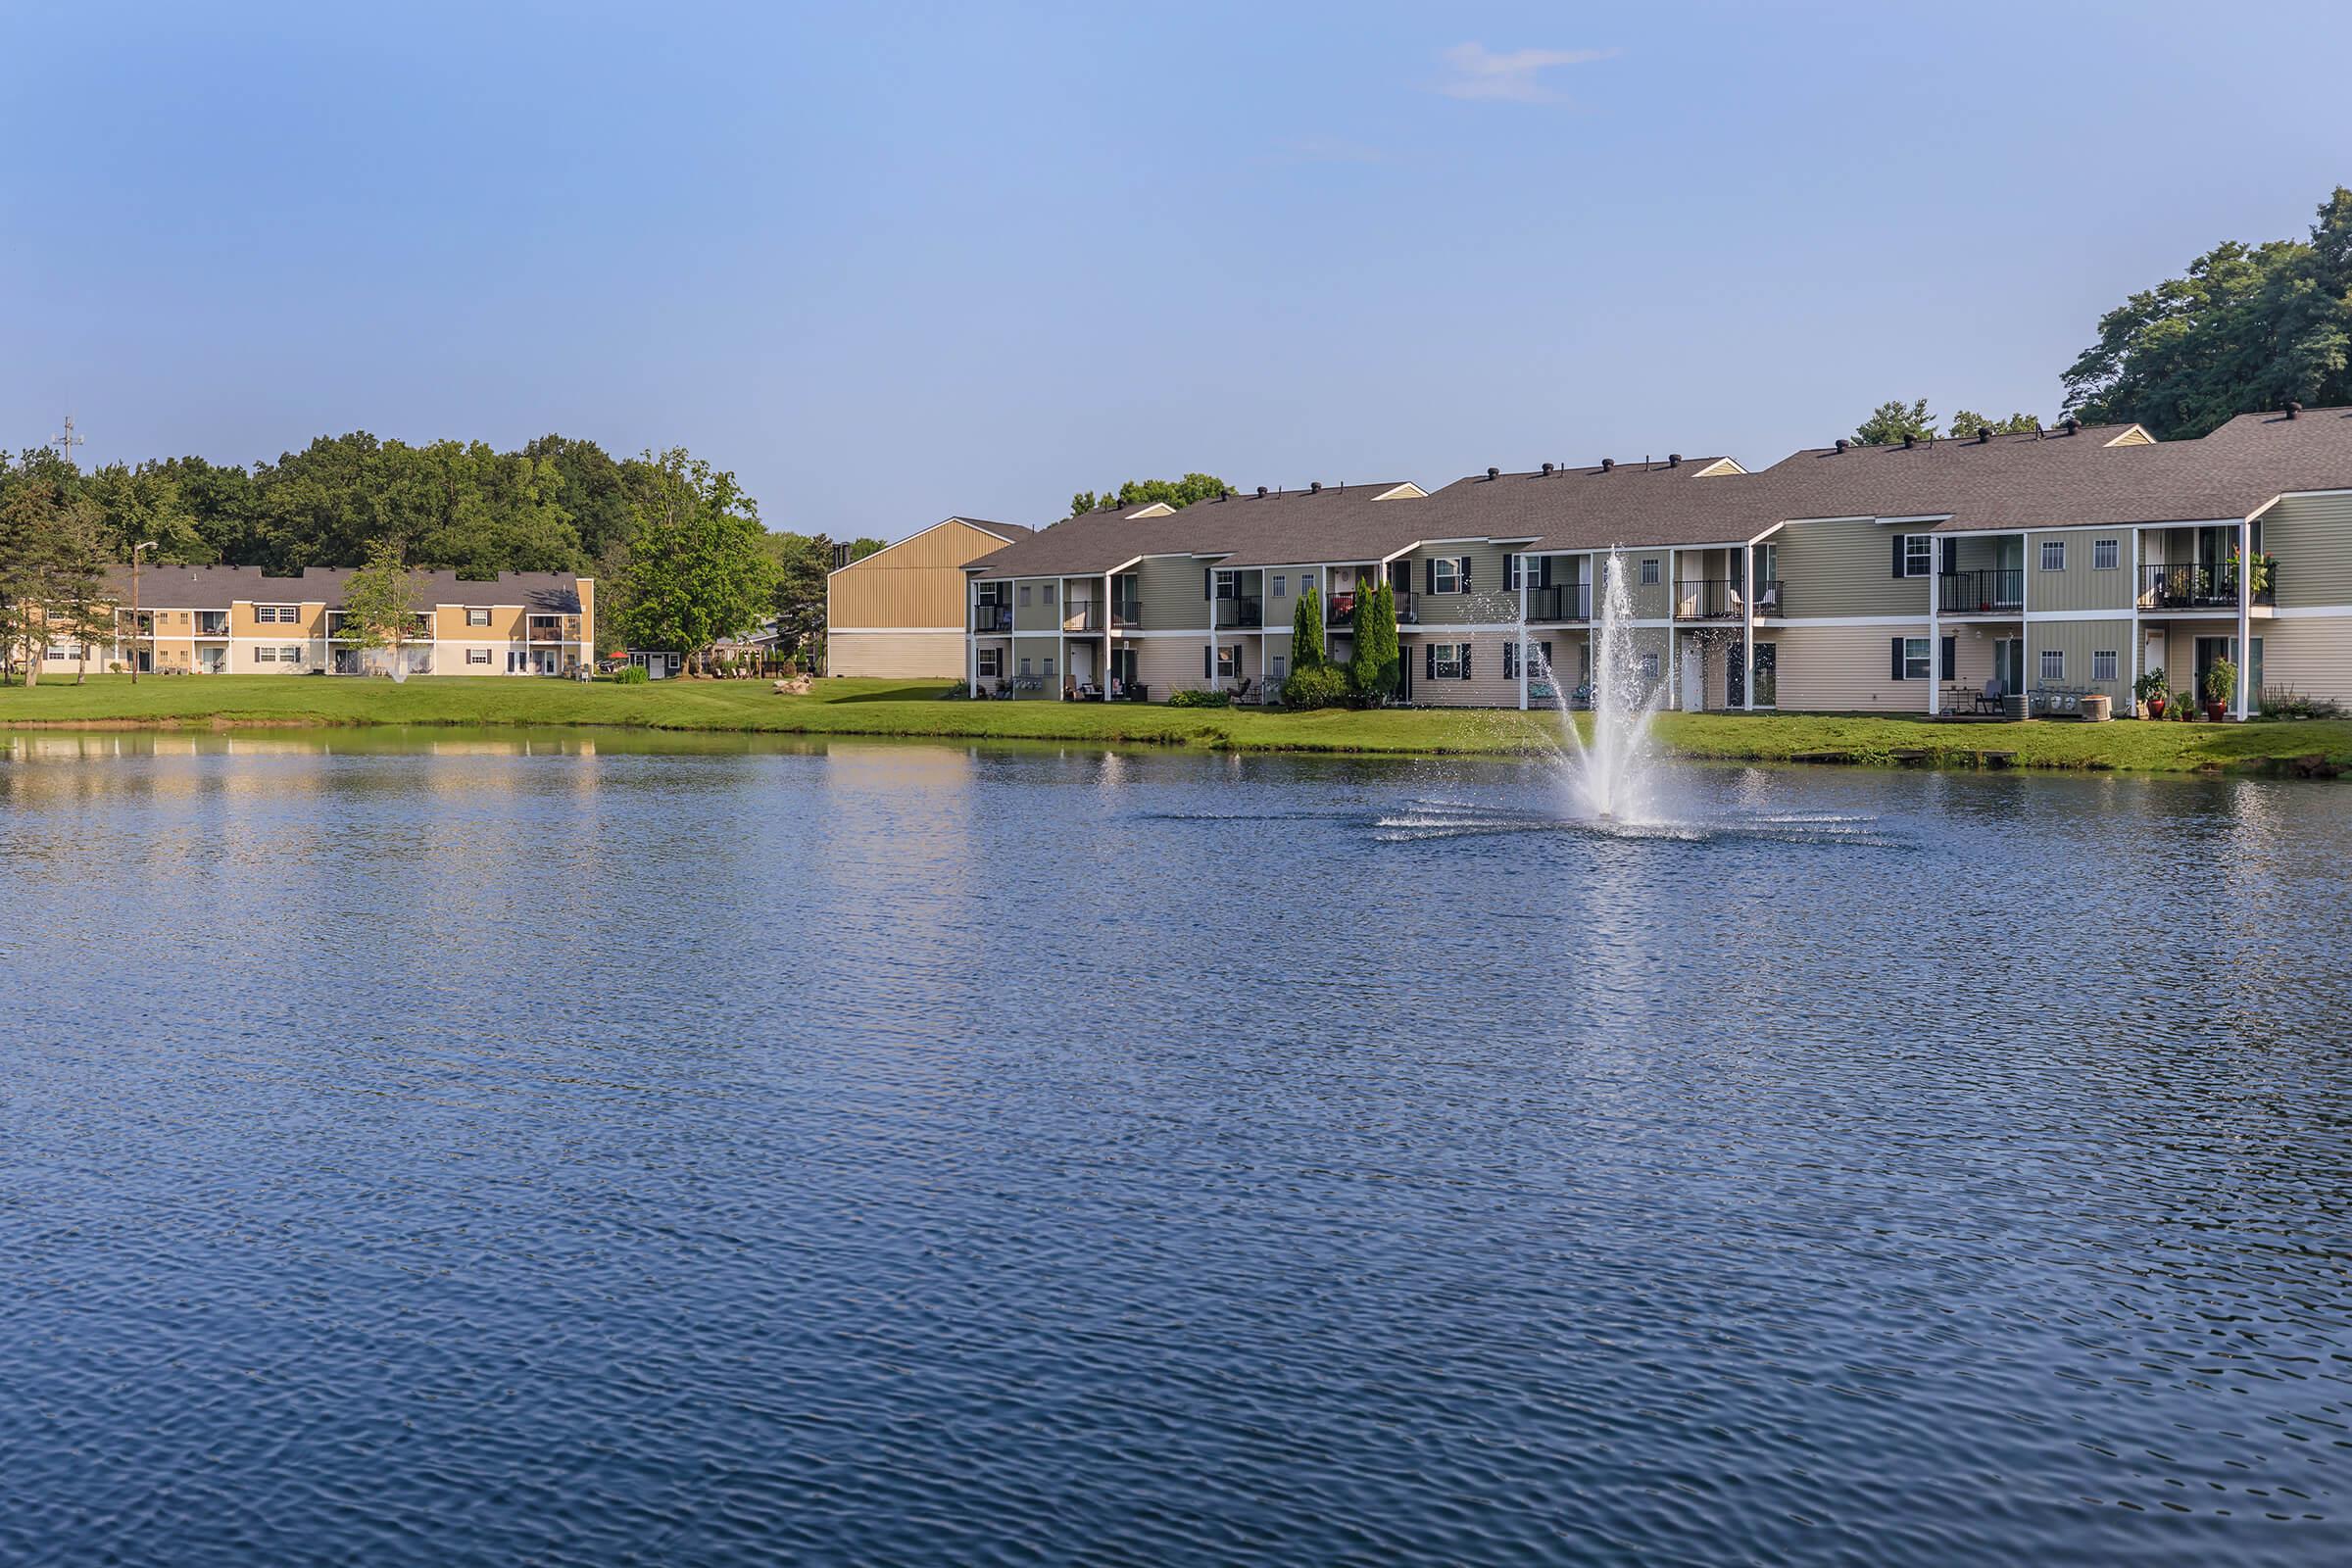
[1241, 613]
[1979, 593]
[1564, 601]
[211, 624]
[1081, 616]
[988, 618]
[1408, 609]
[553, 629]
[2205, 587]
[1709, 599]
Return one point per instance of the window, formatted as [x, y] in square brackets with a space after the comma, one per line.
[1916, 659]
[2102, 666]
[1306, 584]
[2053, 555]
[1281, 585]
[289, 656]
[1918, 554]
[1048, 600]
[1024, 595]
[1024, 660]
[1539, 660]
[1444, 575]
[1448, 660]
[990, 664]
[1229, 661]
[2053, 663]
[2105, 555]
[1228, 584]
[1650, 571]
[478, 617]
[261, 656]
[1045, 667]
[277, 614]
[1275, 664]
[1649, 666]
[477, 655]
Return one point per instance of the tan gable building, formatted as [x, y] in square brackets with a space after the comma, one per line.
[899, 612]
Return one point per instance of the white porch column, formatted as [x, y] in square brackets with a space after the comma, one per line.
[1935, 626]
[2246, 619]
[1522, 575]
[1748, 626]
[1674, 603]
[2139, 650]
[2025, 621]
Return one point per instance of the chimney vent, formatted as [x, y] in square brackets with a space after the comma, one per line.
[1841, 443]
[1314, 487]
[1606, 464]
[1984, 434]
[1547, 470]
[1261, 492]
[1674, 459]
[2293, 408]
[2070, 425]
[1910, 440]
[1493, 473]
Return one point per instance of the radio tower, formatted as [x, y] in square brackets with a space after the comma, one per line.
[65, 442]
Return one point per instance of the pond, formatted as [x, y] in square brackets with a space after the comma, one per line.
[446, 1150]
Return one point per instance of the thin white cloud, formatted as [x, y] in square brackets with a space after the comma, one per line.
[1477, 73]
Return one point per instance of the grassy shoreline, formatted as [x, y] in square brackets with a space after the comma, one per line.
[914, 709]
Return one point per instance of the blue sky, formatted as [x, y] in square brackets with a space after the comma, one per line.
[893, 262]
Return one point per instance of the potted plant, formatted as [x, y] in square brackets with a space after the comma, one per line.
[2152, 695]
[2221, 683]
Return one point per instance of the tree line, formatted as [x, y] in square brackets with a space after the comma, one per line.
[681, 554]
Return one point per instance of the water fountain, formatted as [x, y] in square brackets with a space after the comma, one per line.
[1612, 776]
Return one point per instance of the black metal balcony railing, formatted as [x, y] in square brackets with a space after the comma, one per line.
[1408, 609]
[1571, 600]
[991, 617]
[1241, 612]
[1126, 611]
[1772, 597]
[1708, 599]
[2204, 587]
[1979, 593]
[1081, 615]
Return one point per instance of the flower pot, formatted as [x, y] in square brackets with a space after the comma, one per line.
[2155, 706]
[2215, 713]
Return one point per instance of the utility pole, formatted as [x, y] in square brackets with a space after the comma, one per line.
[65, 442]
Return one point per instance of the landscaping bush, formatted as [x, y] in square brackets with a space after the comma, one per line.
[1193, 698]
[2283, 702]
[1317, 686]
[630, 675]
[961, 690]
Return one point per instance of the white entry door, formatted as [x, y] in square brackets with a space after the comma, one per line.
[1694, 680]
[2153, 655]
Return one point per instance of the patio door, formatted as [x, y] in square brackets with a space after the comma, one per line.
[2009, 663]
[1768, 675]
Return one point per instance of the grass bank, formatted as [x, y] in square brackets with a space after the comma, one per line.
[914, 708]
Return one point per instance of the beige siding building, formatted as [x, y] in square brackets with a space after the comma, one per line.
[900, 612]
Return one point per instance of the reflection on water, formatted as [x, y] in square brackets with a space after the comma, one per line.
[732, 1149]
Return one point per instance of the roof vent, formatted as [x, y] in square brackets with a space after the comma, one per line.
[1314, 487]
[1984, 434]
[1261, 492]
[1910, 439]
[1493, 473]
[1606, 464]
[2070, 425]
[1842, 443]
[1547, 470]
[1674, 459]
[2293, 408]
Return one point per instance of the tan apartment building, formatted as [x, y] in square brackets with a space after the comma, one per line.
[1907, 578]
[237, 621]
[899, 612]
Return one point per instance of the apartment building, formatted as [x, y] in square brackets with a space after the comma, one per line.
[223, 620]
[1903, 578]
[898, 612]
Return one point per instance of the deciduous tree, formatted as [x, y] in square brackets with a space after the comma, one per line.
[698, 565]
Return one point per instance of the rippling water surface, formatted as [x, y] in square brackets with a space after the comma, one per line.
[440, 1152]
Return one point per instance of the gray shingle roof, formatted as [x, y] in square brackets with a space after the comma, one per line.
[2051, 480]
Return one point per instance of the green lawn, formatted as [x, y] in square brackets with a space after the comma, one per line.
[916, 709]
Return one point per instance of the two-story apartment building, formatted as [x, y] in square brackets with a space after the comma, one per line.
[222, 620]
[1843, 579]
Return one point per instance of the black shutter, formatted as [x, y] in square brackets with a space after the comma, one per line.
[1952, 659]
[1465, 661]
[1429, 660]
[1510, 571]
[1948, 554]
[1429, 575]
[1897, 672]
[1898, 555]
[1208, 661]
[1205, 584]
[1465, 574]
